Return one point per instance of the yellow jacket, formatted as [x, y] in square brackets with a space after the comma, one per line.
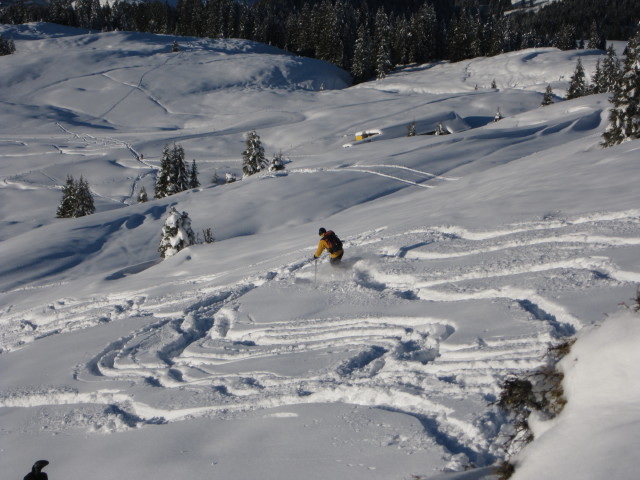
[323, 245]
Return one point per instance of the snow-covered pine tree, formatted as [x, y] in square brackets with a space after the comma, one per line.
[163, 177]
[328, 42]
[61, 12]
[547, 99]
[362, 64]
[498, 38]
[84, 199]
[440, 130]
[383, 61]
[596, 38]
[173, 176]
[611, 70]
[411, 129]
[299, 33]
[400, 39]
[89, 14]
[67, 204]
[193, 176]
[277, 162]
[180, 169]
[423, 30]
[77, 200]
[176, 233]
[463, 41]
[597, 80]
[624, 117]
[253, 159]
[382, 45]
[578, 83]
[142, 196]
[207, 235]
[566, 38]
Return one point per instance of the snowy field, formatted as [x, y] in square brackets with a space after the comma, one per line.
[467, 256]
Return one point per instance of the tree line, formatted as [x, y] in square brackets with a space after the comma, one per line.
[366, 37]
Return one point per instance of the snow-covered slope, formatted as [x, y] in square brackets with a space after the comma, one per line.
[467, 255]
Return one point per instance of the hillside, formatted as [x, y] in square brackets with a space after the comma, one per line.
[467, 256]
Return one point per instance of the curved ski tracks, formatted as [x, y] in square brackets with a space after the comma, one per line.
[203, 347]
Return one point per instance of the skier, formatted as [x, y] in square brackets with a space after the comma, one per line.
[36, 473]
[332, 244]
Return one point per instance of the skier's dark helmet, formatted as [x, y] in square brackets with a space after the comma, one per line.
[36, 473]
[322, 231]
[40, 464]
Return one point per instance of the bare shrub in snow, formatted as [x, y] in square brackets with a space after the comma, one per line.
[539, 391]
[635, 306]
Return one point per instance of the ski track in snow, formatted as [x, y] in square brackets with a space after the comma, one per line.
[200, 344]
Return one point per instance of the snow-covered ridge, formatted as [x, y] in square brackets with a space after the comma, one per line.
[467, 255]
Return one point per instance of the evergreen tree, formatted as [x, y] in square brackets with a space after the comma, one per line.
[67, 204]
[180, 169]
[547, 99]
[277, 162]
[400, 42]
[362, 66]
[624, 117]
[597, 85]
[578, 84]
[193, 176]
[253, 159]
[163, 177]
[77, 200]
[596, 38]
[411, 129]
[176, 233]
[208, 237]
[96, 16]
[300, 32]
[383, 63]
[440, 130]
[190, 18]
[566, 38]
[61, 11]
[142, 196]
[464, 40]
[611, 71]
[423, 31]
[174, 174]
[83, 13]
[328, 44]
[496, 41]
[84, 199]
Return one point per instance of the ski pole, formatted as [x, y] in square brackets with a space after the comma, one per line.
[315, 278]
